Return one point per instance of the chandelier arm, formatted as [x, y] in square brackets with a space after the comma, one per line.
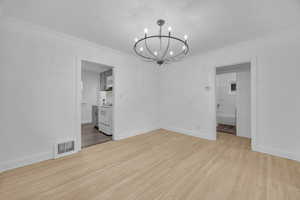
[168, 59]
[149, 50]
[179, 54]
[184, 52]
[143, 56]
[165, 52]
[148, 60]
[174, 58]
[159, 38]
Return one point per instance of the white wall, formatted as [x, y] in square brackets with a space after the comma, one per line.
[188, 106]
[243, 103]
[226, 110]
[185, 105]
[1, 10]
[38, 91]
[90, 89]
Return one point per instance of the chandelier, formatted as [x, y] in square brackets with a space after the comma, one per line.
[161, 48]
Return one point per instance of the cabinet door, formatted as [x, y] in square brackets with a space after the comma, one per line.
[105, 115]
[109, 118]
[102, 116]
[102, 81]
[109, 81]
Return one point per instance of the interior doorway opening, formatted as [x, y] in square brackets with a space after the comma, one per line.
[97, 102]
[233, 99]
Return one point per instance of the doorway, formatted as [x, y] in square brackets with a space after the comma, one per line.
[233, 99]
[96, 103]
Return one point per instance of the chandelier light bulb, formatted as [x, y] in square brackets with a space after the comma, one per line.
[136, 39]
[171, 53]
[145, 30]
[185, 37]
[155, 53]
[141, 48]
[183, 47]
[169, 28]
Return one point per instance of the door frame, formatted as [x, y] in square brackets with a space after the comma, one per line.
[78, 96]
[253, 78]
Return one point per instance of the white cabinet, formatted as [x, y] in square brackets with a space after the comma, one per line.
[105, 119]
[109, 82]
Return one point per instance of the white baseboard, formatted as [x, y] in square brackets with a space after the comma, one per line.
[277, 152]
[199, 134]
[86, 122]
[12, 164]
[127, 134]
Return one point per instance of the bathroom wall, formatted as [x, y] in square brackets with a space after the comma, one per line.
[90, 88]
[226, 101]
[243, 103]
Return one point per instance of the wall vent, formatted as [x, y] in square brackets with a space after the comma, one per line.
[64, 148]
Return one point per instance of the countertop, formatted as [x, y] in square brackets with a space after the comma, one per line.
[106, 106]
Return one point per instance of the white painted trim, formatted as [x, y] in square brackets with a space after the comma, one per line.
[277, 152]
[64, 154]
[253, 72]
[12, 164]
[77, 128]
[200, 134]
[87, 122]
[128, 134]
[78, 97]
[214, 101]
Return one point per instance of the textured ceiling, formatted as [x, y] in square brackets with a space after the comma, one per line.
[210, 24]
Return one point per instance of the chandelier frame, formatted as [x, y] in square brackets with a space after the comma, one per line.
[153, 56]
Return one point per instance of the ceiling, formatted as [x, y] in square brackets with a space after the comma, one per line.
[210, 24]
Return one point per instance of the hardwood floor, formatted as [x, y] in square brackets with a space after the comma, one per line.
[91, 136]
[158, 165]
[224, 128]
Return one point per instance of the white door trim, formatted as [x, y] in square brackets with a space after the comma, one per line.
[253, 72]
[77, 127]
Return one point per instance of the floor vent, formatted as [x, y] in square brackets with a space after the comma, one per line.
[64, 148]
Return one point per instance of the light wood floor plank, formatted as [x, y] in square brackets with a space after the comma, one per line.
[160, 165]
